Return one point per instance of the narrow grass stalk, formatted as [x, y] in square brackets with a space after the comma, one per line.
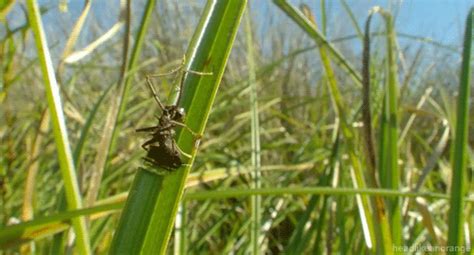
[59, 128]
[319, 38]
[128, 68]
[86, 129]
[118, 105]
[153, 201]
[180, 238]
[391, 144]
[256, 235]
[33, 154]
[395, 210]
[349, 136]
[80, 54]
[44, 227]
[383, 226]
[135, 56]
[410, 121]
[339, 191]
[73, 36]
[324, 23]
[110, 123]
[301, 236]
[368, 136]
[195, 179]
[459, 160]
[5, 8]
[332, 173]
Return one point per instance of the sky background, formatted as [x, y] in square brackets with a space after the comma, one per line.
[441, 20]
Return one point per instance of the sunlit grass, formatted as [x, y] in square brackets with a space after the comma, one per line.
[285, 163]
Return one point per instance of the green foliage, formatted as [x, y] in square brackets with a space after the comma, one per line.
[459, 161]
[151, 208]
[284, 164]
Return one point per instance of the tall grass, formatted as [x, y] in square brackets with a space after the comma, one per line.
[459, 161]
[311, 142]
[157, 197]
[59, 127]
[256, 235]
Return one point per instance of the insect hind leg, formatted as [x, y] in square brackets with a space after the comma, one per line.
[196, 135]
[151, 141]
[189, 156]
[147, 129]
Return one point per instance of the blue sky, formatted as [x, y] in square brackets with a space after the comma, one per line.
[441, 20]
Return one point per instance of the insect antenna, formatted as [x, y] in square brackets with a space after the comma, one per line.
[182, 74]
[153, 91]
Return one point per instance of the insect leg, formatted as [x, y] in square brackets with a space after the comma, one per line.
[192, 71]
[196, 135]
[151, 141]
[176, 69]
[157, 128]
[197, 72]
[147, 129]
[183, 77]
[182, 152]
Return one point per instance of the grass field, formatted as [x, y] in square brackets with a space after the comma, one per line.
[306, 140]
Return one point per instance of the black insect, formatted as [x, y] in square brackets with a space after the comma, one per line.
[162, 150]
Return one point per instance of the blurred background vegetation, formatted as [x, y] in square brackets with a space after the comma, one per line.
[300, 141]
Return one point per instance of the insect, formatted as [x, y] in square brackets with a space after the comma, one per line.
[162, 149]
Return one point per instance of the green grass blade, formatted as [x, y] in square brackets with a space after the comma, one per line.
[118, 104]
[338, 191]
[389, 144]
[43, 227]
[319, 38]
[392, 146]
[256, 201]
[301, 236]
[382, 146]
[151, 208]
[135, 56]
[5, 8]
[367, 131]
[59, 127]
[459, 160]
[91, 118]
[349, 135]
[324, 20]
[181, 230]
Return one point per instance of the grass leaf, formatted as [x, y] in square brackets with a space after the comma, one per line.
[59, 127]
[459, 160]
[153, 201]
